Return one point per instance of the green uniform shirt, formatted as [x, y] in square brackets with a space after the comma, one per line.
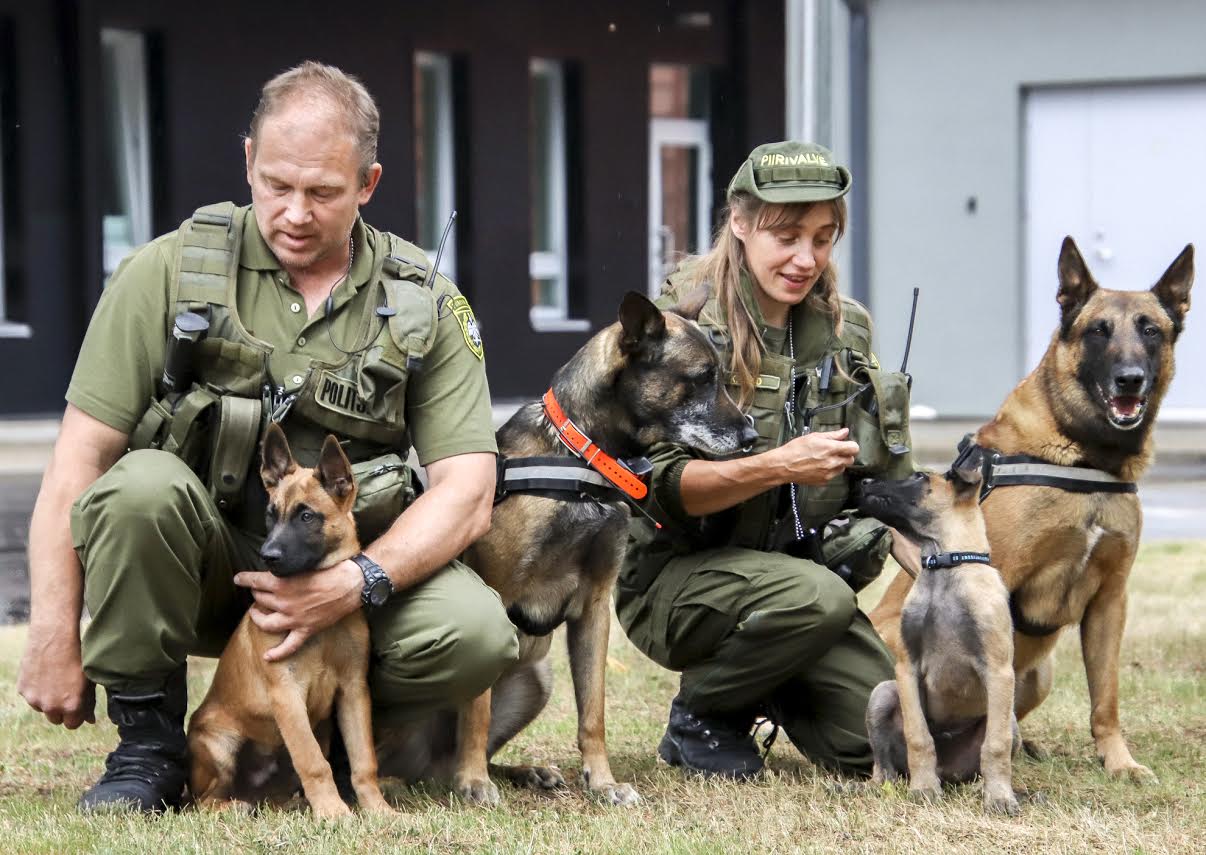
[447, 407]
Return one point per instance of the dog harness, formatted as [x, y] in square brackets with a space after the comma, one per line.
[590, 474]
[1013, 470]
[944, 560]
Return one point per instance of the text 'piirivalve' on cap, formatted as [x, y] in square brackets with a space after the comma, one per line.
[790, 171]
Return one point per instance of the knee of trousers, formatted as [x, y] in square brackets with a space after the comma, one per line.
[144, 490]
[448, 664]
[815, 601]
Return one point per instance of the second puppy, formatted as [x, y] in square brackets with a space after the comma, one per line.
[948, 715]
[252, 705]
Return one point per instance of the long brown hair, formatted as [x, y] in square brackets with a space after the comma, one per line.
[723, 265]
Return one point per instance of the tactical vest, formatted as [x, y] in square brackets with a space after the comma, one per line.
[877, 417]
[241, 383]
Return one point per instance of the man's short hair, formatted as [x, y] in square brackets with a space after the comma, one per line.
[326, 83]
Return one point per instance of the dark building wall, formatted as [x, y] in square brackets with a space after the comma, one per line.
[208, 62]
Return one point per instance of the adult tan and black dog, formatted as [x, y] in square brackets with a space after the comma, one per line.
[553, 552]
[1065, 553]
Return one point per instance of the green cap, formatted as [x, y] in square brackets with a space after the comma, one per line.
[791, 171]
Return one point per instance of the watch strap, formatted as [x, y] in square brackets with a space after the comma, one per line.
[373, 575]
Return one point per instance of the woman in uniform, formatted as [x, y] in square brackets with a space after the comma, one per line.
[749, 588]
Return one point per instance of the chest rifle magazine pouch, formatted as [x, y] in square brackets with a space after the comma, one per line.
[176, 424]
[235, 436]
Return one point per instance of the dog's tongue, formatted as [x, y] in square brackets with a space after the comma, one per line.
[1126, 405]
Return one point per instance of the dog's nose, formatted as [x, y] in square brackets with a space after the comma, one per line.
[748, 435]
[271, 553]
[1129, 380]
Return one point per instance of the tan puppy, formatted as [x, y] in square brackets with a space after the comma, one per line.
[254, 706]
[951, 704]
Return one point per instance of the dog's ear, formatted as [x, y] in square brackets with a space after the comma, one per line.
[1173, 288]
[692, 304]
[1076, 285]
[640, 323]
[276, 459]
[333, 470]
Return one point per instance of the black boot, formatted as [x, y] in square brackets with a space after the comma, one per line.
[712, 744]
[148, 769]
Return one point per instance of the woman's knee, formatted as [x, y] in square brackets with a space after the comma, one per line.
[812, 593]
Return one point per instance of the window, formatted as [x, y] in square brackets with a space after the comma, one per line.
[548, 263]
[126, 188]
[435, 180]
[9, 327]
[680, 167]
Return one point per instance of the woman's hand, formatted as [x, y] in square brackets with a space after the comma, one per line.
[816, 458]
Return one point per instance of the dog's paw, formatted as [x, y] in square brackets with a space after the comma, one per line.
[331, 809]
[1003, 803]
[376, 805]
[620, 795]
[1132, 771]
[477, 791]
[539, 777]
[1035, 751]
[925, 795]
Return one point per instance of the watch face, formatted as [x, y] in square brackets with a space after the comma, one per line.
[379, 592]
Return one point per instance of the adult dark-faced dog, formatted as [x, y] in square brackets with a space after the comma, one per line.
[553, 556]
[1062, 517]
[253, 706]
[948, 715]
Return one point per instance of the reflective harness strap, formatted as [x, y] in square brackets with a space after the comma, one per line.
[1013, 470]
[560, 474]
[622, 478]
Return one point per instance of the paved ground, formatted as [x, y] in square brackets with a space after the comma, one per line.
[1173, 494]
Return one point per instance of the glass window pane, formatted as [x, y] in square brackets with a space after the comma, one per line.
[548, 260]
[434, 178]
[126, 185]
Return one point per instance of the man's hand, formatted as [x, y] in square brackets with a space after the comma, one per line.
[52, 678]
[817, 458]
[301, 606]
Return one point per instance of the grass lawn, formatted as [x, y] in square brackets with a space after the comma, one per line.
[43, 769]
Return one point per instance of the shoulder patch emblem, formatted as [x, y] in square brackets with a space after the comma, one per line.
[464, 316]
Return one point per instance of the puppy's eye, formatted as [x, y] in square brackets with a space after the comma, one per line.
[1150, 331]
[307, 516]
[1099, 331]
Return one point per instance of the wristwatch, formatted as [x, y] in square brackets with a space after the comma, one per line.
[377, 586]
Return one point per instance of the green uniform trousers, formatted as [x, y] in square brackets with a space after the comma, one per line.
[159, 561]
[758, 630]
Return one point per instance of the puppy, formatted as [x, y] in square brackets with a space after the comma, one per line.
[948, 715]
[254, 706]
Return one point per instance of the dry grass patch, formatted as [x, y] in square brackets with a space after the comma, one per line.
[794, 809]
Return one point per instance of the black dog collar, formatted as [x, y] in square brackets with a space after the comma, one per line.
[941, 560]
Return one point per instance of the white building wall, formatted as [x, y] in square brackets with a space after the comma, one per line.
[946, 103]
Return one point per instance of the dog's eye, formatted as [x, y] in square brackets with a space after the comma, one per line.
[307, 516]
[1098, 331]
[1151, 331]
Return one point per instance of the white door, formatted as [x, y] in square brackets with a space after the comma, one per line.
[1123, 170]
[680, 194]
